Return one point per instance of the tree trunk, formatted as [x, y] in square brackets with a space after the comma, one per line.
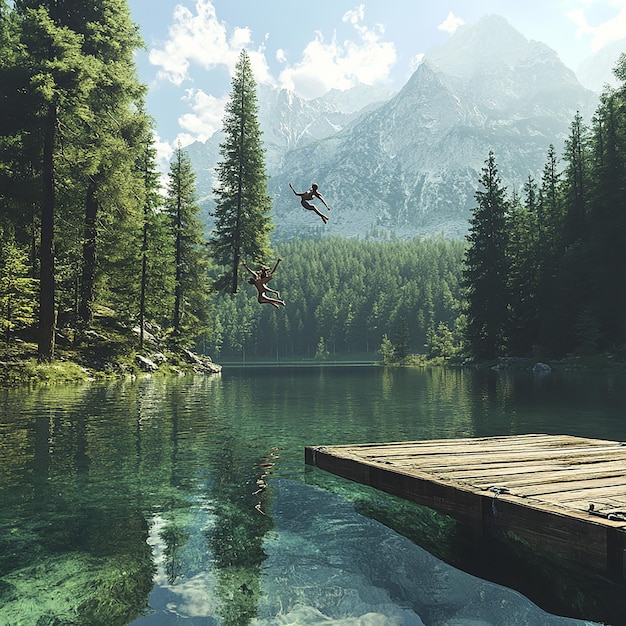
[47, 317]
[236, 261]
[237, 234]
[178, 289]
[144, 277]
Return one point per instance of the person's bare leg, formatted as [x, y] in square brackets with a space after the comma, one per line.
[312, 207]
[272, 301]
[324, 217]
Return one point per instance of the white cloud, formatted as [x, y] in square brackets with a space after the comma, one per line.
[164, 152]
[328, 65]
[201, 39]
[197, 39]
[603, 33]
[260, 68]
[184, 139]
[578, 17]
[205, 116]
[451, 23]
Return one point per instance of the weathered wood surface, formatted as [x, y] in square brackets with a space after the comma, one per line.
[538, 486]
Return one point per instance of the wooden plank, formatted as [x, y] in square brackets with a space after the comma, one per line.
[564, 487]
[543, 486]
[565, 456]
[544, 472]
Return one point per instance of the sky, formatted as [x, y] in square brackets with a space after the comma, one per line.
[192, 46]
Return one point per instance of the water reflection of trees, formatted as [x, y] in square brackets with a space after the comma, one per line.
[93, 476]
[241, 500]
[61, 534]
[205, 455]
[236, 540]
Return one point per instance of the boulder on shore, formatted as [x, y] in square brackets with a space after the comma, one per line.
[201, 363]
[145, 364]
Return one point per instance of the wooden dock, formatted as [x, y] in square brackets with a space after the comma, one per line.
[563, 493]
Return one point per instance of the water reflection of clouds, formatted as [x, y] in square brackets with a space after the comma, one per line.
[195, 597]
[193, 593]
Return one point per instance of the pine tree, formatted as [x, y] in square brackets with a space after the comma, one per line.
[61, 80]
[387, 351]
[523, 322]
[190, 305]
[20, 140]
[112, 133]
[486, 267]
[550, 247]
[608, 221]
[574, 278]
[156, 282]
[550, 205]
[575, 182]
[242, 221]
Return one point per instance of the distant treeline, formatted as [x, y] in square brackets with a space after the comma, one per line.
[342, 297]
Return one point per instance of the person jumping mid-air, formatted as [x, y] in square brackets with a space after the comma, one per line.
[260, 279]
[307, 196]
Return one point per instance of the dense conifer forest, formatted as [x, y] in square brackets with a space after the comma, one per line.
[546, 269]
[87, 233]
[342, 297]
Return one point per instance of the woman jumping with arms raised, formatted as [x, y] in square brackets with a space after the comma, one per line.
[260, 279]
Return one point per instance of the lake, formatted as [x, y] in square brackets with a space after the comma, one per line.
[186, 501]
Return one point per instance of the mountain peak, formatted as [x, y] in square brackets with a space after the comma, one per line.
[489, 43]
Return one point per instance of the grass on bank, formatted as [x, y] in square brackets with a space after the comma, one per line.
[108, 349]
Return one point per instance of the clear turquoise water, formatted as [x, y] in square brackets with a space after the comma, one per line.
[186, 500]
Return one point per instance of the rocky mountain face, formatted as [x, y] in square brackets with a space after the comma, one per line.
[410, 165]
[288, 123]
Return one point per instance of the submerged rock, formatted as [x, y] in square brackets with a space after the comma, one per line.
[327, 564]
[541, 368]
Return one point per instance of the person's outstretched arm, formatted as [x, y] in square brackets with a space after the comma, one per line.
[246, 266]
[275, 266]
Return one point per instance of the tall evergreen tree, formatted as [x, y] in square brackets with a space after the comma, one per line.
[550, 248]
[111, 134]
[242, 221]
[189, 259]
[571, 307]
[575, 181]
[522, 279]
[20, 140]
[486, 267]
[156, 247]
[608, 214]
[61, 79]
[551, 207]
